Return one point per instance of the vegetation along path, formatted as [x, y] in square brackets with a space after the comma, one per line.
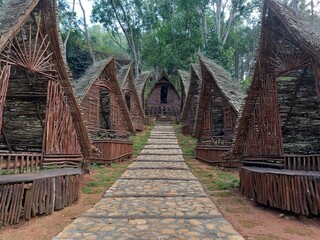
[156, 198]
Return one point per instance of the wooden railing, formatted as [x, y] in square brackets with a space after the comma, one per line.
[61, 161]
[302, 162]
[104, 134]
[11, 163]
[162, 111]
[215, 155]
[112, 150]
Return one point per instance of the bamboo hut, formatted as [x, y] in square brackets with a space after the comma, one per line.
[130, 95]
[184, 85]
[163, 99]
[105, 112]
[40, 122]
[278, 135]
[189, 112]
[141, 83]
[219, 105]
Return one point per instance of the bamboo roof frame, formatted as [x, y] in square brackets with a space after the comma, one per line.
[13, 15]
[303, 32]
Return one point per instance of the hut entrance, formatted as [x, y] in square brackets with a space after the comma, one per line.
[105, 122]
[164, 94]
[128, 100]
[24, 112]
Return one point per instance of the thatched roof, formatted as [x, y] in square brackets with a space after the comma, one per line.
[12, 15]
[301, 28]
[228, 86]
[142, 81]
[84, 83]
[123, 74]
[197, 70]
[185, 80]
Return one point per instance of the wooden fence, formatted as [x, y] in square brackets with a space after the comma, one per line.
[24, 196]
[112, 150]
[291, 190]
[12, 163]
[302, 162]
[214, 155]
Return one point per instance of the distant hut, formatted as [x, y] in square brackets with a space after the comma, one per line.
[190, 109]
[129, 92]
[141, 83]
[184, 85]
[219, 106]
[40, 121]
[163, 99]
[280, 124]
[105, 111]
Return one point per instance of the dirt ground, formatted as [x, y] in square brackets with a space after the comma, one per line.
[254, 221]
[251, 220]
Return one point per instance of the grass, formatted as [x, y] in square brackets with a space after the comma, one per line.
[187, 143]
[140, 139]
[212, 177]
[104, 177]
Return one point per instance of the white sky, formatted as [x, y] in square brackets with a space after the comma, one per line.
[87, 5]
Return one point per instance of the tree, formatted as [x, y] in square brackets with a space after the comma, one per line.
[124, 13]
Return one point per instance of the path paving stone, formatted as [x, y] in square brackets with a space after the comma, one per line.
[162, 141]
[161, 151]
[156, 198]
[159, 174]
[158, 165]
[155, 188]
[160, 158]
[161, 146]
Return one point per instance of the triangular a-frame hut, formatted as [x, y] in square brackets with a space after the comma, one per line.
[189, 113]
[40, 121]
[279, 126]
[141, 83]
[129, 92]
[163, 99]
[38, 110]
[219, 106]
[184, 86]
[104, 109]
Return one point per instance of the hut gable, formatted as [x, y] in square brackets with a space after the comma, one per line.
[141, 83]
[219, 104]
[163, 99]
[189, 113]
[184, 85]
[130, 95]
[101, 101]
[38, 111]
[281, 113]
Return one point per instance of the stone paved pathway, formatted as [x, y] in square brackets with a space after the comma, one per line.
[156, 198]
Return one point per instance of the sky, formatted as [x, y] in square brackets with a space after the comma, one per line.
[87, 5]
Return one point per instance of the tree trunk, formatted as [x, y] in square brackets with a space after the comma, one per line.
[129, 36]
[69, 31]
[218, 18]
[86, 33]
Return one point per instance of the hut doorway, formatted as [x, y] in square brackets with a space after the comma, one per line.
[127, 97]
[164, 94]
[105, 122]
